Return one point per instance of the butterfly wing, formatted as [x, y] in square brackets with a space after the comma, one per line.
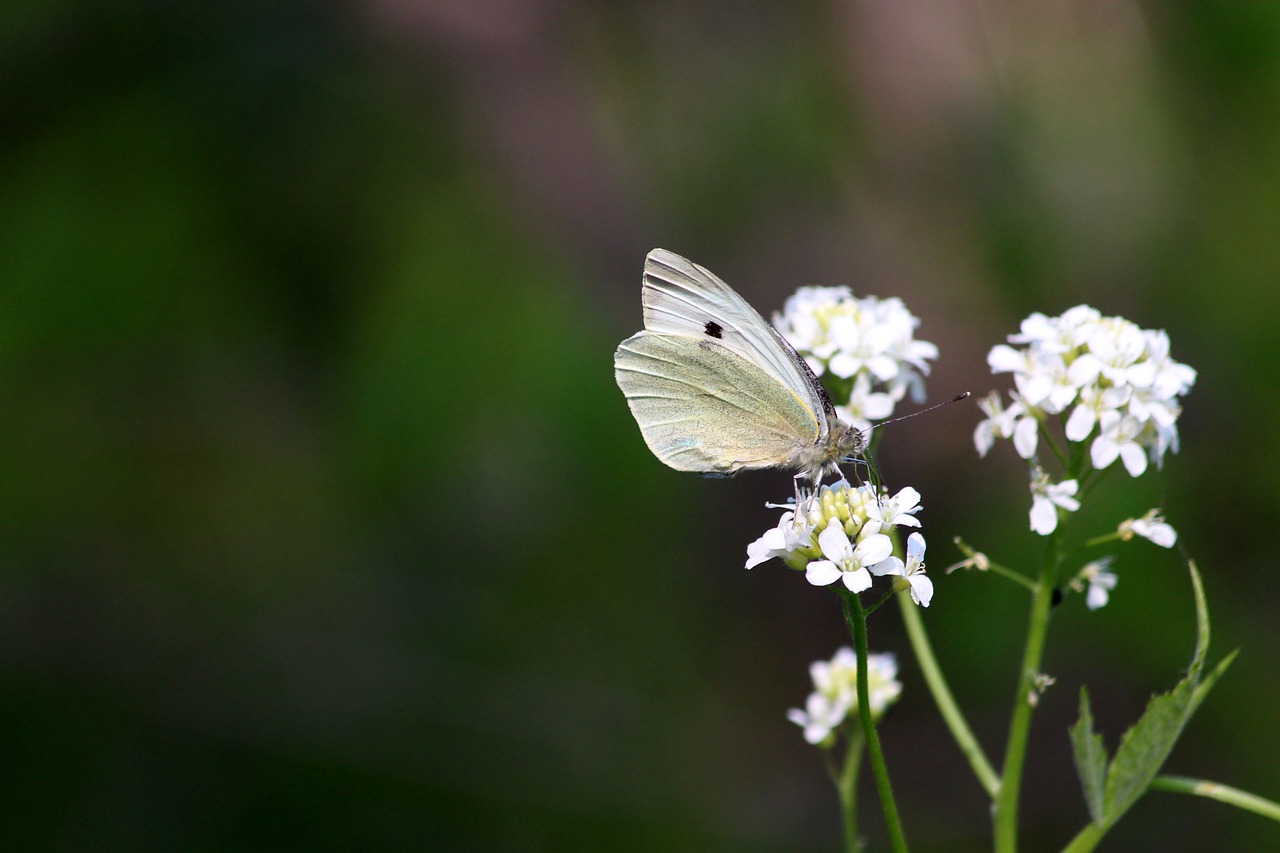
[682, 298]
[701, 407]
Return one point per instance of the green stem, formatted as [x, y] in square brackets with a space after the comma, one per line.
[1101, 540]
[1010, 574]
[946, 702]
[857, 622]
[1006, 804]
[1221, 793]
[1086, 839]
[985, 564]
[847, 785]
[1047, 438]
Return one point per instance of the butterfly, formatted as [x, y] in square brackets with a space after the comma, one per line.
[717, 390]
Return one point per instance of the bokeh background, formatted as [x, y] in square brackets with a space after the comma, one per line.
[326, 528]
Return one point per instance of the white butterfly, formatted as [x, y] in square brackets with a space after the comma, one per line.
[716, 389]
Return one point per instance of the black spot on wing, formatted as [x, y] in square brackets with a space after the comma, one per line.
[714, 329]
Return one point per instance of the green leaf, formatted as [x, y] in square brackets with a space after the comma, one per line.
[1145, 747]
[1091, 759]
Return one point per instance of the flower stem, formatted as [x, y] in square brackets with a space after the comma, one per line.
[946, 702]
[1086, 839]
[1101, 540]
[1010, 574]
[857, 621]
[1006, 804]
[1221, 793]
[847, 785]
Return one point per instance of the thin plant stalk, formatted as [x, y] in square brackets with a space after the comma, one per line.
[947, 706]
[847, 785]
[856, 619]
[1006, 804]
[1217, 791]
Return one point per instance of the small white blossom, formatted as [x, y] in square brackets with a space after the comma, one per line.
[865, 406]
[1046, 498]
[870, 341]
[897, 511]
[790, 535]
[1014, 422]
[1097, 580]
[1151, 526]
[1118, 436]
[835, 695]
[846, 562]
[912, 571]
[1117, 379]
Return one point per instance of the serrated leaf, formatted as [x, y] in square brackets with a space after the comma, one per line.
[1144, 748]
[1206, 684]
[1146, 745]
[1091, 760]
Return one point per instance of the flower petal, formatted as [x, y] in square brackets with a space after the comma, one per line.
[822, 572]
[915, 547]
[1044, 516]
[857, 581]
[1025, 434]
[921, 589]
[834, 542]
[872, 549]
[890, 566]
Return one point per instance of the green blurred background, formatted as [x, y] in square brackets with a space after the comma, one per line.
[326, 528]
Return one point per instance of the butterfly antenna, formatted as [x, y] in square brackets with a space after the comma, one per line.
[957, 398]
[872, 473]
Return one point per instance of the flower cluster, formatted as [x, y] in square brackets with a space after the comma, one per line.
[835, 694]
[867, 344]
[1116, 379]
[840, 535]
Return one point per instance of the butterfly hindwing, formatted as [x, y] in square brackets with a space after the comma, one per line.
[702, 407]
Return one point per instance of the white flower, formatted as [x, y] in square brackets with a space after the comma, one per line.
[865, 405]
[820, 716]
[1046, 498]
[790, 535]
[1100, 587]
[1057, 334]
[1099, 581]
[1151, 526]
[897, 511]
[913, 571]
[1094, 402]
[845, 561]
[1118, 435]
[1015, 422]
[870, 341]
[835, 693]
[1118, 380]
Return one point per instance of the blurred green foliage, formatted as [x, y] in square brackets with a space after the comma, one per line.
[325, 527]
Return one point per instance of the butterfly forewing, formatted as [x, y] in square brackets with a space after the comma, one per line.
[684, 299]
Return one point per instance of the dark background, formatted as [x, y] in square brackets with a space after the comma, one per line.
[326, 528]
